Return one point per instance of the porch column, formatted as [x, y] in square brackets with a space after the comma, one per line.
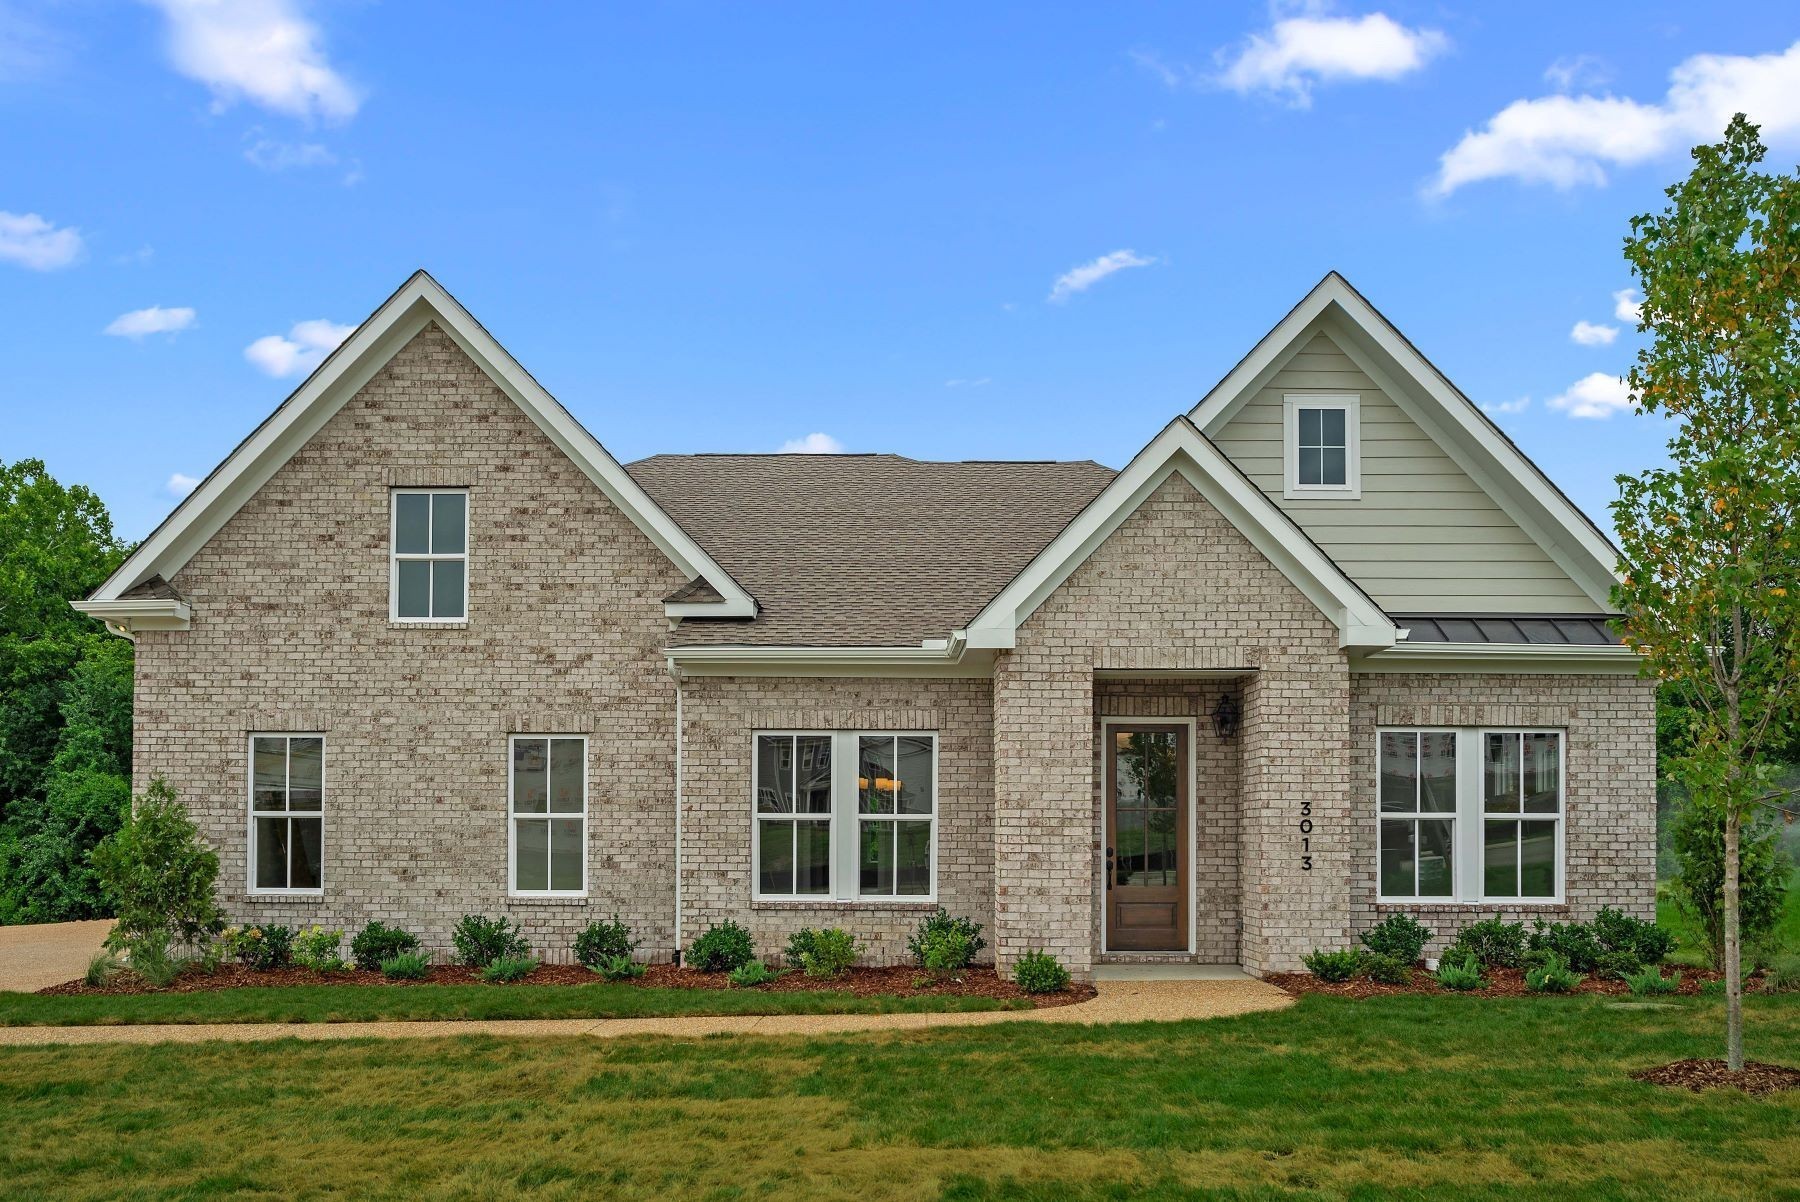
[1043, 810]
[1295, 771]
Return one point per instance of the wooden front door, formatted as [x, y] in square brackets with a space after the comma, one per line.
[1147, 838]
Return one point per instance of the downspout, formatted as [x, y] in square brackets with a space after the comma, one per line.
[676, 673]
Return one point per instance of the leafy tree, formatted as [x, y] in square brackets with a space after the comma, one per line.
[1710, 554]
[161, 873]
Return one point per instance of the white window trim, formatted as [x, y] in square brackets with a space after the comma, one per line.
[512, 817]
[395, 556]
[250, 885]
[1467, 830]
[1351, 489]
[845, 822]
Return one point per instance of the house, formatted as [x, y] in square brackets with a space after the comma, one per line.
[1328, 648]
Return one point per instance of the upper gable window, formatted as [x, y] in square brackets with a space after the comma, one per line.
[429, 577]
[1322, 447]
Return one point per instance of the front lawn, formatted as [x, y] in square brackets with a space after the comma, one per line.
[1412, 1096]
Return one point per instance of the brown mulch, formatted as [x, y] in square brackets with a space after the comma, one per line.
[1753, 1078]
[901, 981]
[1502, 982]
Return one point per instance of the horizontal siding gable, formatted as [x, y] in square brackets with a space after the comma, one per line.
[1424, 537]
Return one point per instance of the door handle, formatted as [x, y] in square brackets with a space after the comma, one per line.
[1109, 869]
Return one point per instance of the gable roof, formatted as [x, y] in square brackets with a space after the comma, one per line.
[418, 302]
[863, 550]
[1466, 434]
[1182, 448]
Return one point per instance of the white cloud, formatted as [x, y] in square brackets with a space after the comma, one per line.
[982, 382]
[1507, 408]
[1080, 279]
[181, 485]
[813, 444]
[155, 320]
[1171, 76]
[1587, 333]
[303, 349]
[1567, 141]
[30, 241]
[264, 51]
[271, 155]
[1577, 71]
[1597, 396]
[1297, 52]
[1627, 306]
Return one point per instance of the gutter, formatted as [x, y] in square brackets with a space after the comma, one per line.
[1501, 657]
[933, 657]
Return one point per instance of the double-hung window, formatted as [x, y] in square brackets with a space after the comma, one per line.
[547, 815]
[844, 816]
[287, 813]
[1470, 815]
[429, 578]
[1322, 451]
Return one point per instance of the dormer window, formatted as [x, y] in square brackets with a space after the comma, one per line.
[1322, 447]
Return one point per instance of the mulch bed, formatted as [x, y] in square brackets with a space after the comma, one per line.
[1502, 982]
[900, 981]
[1753, 1078]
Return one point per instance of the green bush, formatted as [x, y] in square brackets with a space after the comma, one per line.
[102, 967]
[825, 953]
[1784, 974]
[1334, 966]
[160, 874]
[407, 966]
[1535, 957]
[317, 948]
[1397, 935]
[155, 965]
[1619, 932]
[933, 929]
[377, 942]
[618, 968]
[481, 941]
[1494, 942]
[1697, 836]
[509, 968]
[1388, 970]
[946, 950]
[1553, 976]
[1649, 982]
[750, 974]
[721, 948]
[1040, 972]
[1460, 975]
[603, 941]
[1617, 965]
[1572, 942]
[263, 948]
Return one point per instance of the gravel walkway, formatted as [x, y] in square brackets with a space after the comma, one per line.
[1117, 1002]
[35, 957]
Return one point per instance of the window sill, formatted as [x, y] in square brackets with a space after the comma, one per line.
[1321, 494]
[827, 903]
[547, 899]
[428, 623]
[1492, 903]
[282, 894]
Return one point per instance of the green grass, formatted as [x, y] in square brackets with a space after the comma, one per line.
[1422, 1096]
[1693, 952]
[373, 1003]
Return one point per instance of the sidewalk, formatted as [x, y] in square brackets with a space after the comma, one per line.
[1118, 1002]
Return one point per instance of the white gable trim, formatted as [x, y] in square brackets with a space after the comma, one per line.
[1423, 393]
[419, 301]
[1182, 448]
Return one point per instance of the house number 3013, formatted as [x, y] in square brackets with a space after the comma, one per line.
[1306, 829]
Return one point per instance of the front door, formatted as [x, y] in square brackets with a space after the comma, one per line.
[1146, 837]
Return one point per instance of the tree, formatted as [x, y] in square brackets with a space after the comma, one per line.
[161, 873]
[1710, 550]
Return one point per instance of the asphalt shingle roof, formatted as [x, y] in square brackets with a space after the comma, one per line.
[863, 550]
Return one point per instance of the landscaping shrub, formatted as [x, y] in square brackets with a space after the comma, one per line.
[721, 948]
[377, 942]
[160, 874]
[603, 941]
[1573, 943]
[1535, 957]
[103, 967]
[826, 953]
[946, 950]
[481, 941]
[1619, 932]
[1040, 972]
[1397, 935]
[509, 968]
[1553, 976]
[1697, 836]
[618, 968]
[155, 965]
[1493, 942]
[261, 948]
[751, 974]
[1617, 965]
[1334, 966]
[1784, 974]
[317, 948]
[1460, 975]
[407, 966]
[1649, 982]
[1388, 970]
[934, 928]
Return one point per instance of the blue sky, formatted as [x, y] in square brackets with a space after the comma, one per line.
[729, 227]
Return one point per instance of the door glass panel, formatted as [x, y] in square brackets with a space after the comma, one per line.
[565, 853]
[307, 853]
[1397, 858]
[875, 774]
[531, 855]
[1399, 771]
[1128, 846]
[775, 775]
[813, 869]
[813, 753]
[1159, 848]
[529, 773]
[775, 857]
[913, 785]
[1500, 859]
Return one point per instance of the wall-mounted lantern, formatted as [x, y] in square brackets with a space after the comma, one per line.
[1225, 717]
